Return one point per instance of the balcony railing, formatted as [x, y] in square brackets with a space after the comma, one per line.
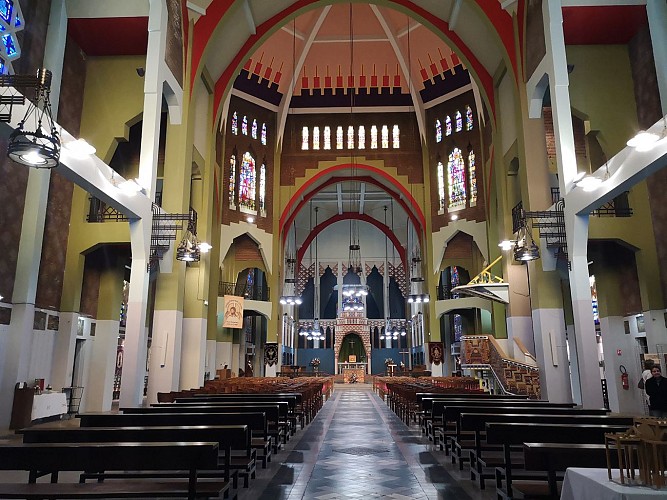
[445, 293]
[251, 292]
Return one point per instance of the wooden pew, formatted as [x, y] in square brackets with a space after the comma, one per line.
[230, 439]
[140, 456]
[476, 423]
[512, 434]
[256, 422]
[554, 459]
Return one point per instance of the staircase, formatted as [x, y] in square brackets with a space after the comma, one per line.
[482, 352]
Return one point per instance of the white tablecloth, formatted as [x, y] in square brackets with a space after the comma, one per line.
[594, 484]
[48, 405]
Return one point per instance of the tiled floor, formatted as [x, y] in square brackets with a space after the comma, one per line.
[357, 448]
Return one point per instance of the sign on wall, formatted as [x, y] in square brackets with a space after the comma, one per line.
[233, 315]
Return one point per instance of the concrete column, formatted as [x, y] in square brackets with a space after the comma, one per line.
[166, 349]
[63, 350]
[551, 355]
[656, 11]
[574, 364]
[99, 387]
[193, 353]
[521, 328]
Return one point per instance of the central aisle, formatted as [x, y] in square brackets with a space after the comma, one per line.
[357, 448]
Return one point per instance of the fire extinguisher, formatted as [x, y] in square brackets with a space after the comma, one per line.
[624, 377]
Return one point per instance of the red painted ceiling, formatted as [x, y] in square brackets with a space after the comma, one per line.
[615, 24]
[110, 36]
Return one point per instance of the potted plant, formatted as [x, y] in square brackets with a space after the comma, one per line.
[315, 363]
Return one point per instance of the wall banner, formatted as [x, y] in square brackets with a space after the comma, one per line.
[233, 313]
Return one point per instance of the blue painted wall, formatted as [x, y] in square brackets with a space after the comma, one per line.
[303, 357]
[379, 355]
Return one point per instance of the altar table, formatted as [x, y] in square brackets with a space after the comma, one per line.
[594, 484]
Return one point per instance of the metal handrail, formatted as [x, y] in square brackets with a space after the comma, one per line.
[487, 367]
[253, 292]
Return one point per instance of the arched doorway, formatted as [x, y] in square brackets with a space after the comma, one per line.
[352, 345]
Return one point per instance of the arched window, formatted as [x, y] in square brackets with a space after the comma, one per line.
[350, 137]
[247, 184]
[385, 137]
[362, 137]
[396, 137]
[264, 134]
[438, 131]
[456, 174]
[327, 137]
[441, 188]
[459, 121]
[374, 137]
[262, 190]
[472, 178]
[448, 126]
[339, 137]
[469, 118]
[244, 125]
[232, 181]
[316, 137]
[253, 131]
[235, 124]
[304, 138]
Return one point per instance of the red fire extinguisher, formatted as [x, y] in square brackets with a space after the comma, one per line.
[624, 377]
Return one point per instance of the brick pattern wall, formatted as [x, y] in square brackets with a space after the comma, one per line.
[351, 323]
[535, 44]
[460, 246]
[174, 51]
[246, 249]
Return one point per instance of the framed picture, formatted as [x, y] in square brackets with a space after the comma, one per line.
[641, 328]
[352, 358]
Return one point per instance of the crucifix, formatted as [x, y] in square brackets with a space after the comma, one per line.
[403, 353]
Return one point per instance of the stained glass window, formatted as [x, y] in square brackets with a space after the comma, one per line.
[304, 138]
[455, 280]
[458, 327]
[456, 173]
[262, 190]
[264, 134]
[438, 131]
[235, 124]
[441, 188]
[253, 131]
[316, 137]
[247, 183]
[469, 119]
[374, 137]
[244, 125]
[6, 7]
[8, 42]
[362, 137]
[385, 137]
[327, 137]
[473, 178]
[350, 137]
[232, 181]
[448, 126]
[339, 137]
[459, 122]
[396, 137]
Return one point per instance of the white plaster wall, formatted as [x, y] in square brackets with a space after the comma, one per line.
[507, 116]
[210, 365]
[193, 353]
[103, 348]
[235, 360]
[551, 354]
[656, 330]
[223, 355]
[165, 356]
[63, 350]
[4, 332]
[436, 370]
[574, 369]
[201, 125]
[520, 327]
[41, 355]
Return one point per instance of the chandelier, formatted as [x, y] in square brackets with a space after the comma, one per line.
[290, 297]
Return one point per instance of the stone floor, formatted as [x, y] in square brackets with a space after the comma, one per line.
[357, 448]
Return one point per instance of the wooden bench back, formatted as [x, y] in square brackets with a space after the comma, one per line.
[296, 397]
[513, 433]
[274, 411]
[439, 406]
[453, 413]
[478, 421]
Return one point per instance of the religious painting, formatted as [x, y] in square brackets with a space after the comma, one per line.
[270, 353]
[435, 350]
[352, 358]
[233, 312]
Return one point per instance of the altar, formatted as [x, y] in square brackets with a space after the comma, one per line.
[347, 369]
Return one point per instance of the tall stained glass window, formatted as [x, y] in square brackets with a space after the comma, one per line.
[441, 188]
[264, 134]
[253, 130]
[438, 131]
[304, 138]
[247, 183]
[473, 178]
[235, 124]
[459, 122]
[339, 137]
[385, 137]
[362, 137]
[396, 137]
[456, 179]
[458, 327]
[232, 181]
[374, 137]
[455, 280]
[448, 126]
[327, 137]
[469, 118]
[244, 125]
[350, 137]
[316, 137]
[262, 190]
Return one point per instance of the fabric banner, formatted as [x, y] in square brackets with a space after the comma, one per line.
[270, 353]
[233, 317]
[435, 353]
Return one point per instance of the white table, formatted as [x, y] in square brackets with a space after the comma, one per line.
[48, 405]
[594, 484]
